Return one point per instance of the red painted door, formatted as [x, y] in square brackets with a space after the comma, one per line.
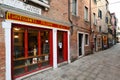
[62, 46]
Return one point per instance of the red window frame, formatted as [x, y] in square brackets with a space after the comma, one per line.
[26, 48]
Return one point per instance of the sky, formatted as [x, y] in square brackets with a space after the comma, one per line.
[114, 6]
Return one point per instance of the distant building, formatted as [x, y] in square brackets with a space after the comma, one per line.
[118, 32]
[114, 26]
[110, 30]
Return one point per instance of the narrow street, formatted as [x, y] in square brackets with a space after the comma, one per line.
[103, 65]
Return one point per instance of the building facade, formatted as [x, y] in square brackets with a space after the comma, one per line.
[34, 37]
[118, 32]
[94, 27]
[110, 34]
[80, 37]
[102, 25]
[114, 26]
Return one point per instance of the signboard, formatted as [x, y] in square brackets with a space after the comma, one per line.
[17, 17]
[20, 5]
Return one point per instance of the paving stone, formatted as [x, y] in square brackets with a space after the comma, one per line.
[81, 77]
[102, 65]
[98, 78]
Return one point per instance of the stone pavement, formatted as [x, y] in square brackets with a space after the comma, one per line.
[103, 65]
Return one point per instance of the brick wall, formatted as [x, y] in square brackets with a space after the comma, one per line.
[73, 45]
[58, 11]
[80, 26]
[2, 54]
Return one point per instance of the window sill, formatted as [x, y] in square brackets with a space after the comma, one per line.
[76, 16]
[86, 44]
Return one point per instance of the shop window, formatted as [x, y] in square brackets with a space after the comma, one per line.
[31, 50]
[18, 42]
[32, 42]
[18, 36]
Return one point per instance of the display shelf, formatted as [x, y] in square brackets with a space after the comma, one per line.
[18, 67]
[38, 60]
[23, 58]
[22, 66]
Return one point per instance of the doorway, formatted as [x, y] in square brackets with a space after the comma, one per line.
[80, 37]
[62, 46]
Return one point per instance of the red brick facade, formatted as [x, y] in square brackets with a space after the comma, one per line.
[81, 26]
[58, 13]
[2, 54]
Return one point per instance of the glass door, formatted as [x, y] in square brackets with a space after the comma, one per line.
[60, 56]
[62, 46]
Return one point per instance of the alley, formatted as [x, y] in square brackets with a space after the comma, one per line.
[103, 65]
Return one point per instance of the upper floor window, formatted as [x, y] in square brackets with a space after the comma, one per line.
[106, 6]
[86, 13]
[95, 1]
[86, 39]
[94, 19]
[74, 7]
[106, 20]
[100, 14]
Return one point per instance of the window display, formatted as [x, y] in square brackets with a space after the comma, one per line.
[31, 49]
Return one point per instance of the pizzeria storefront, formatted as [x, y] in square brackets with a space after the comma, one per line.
[35, 45]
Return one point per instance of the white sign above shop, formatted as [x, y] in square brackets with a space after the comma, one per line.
[21, 5]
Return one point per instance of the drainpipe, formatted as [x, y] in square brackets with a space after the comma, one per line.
[91, 32]
[69, 18]
[90, 18]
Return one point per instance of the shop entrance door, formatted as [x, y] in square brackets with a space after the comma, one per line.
[62, 48]
[80, 44]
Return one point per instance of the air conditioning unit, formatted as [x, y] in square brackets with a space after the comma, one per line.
[44, 3]
[25, 1]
